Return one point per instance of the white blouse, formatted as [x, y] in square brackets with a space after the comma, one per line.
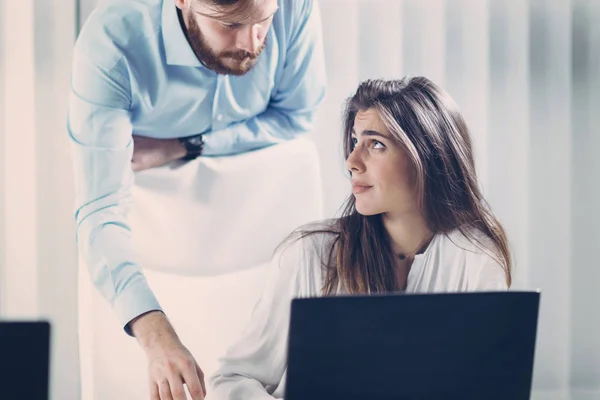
[254, 367]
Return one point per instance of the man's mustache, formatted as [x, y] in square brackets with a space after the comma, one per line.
[241, 55]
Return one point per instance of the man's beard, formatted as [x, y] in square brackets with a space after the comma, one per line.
[243, 61]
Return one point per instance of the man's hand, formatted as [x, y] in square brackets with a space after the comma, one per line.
[150, 153]
[170, 364]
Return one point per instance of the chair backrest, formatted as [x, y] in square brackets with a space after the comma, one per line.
[216, 215]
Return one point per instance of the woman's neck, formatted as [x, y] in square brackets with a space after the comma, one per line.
[408, 233]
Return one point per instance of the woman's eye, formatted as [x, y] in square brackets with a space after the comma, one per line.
[232, 26]
[378, 145]
[354, 142]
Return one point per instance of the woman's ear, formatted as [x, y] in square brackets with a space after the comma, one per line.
[180, 4]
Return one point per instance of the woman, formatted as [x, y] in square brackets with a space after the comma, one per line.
[416, 222]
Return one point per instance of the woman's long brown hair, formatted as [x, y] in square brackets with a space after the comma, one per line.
[428, 124]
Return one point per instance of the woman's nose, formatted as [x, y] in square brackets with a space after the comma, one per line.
[354, 161]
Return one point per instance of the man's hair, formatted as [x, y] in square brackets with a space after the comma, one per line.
[227, 9]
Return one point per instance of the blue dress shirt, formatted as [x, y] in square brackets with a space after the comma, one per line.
[134, 72]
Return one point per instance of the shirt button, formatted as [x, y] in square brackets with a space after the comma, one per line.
[220, 117]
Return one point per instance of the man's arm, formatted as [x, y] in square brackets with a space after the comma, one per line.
[99, 125]
[296, 97]
[100, 129]
[292, 108]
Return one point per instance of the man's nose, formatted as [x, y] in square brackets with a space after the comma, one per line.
[249, 39]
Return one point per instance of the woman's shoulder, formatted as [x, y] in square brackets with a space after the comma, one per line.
[476, 255]
[469, 242]
[301, 258]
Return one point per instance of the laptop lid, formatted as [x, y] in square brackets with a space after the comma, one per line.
[413, 346]
[24, 360]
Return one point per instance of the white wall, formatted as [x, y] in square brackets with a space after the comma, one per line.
[21, 296]
[585, 173]
[38, 264]
[3, 271]
[550, 165]
[524, 73]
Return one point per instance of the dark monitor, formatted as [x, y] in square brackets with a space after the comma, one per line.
[477, 345]
[24, 360]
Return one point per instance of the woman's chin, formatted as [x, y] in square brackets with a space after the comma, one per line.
[366, 210]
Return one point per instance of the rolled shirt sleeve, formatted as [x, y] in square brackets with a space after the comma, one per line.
[100, 129]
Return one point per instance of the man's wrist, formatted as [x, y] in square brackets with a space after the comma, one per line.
[193, 146]
[150, 328]
[179, 150]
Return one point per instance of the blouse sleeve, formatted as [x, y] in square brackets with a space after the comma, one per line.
[253, 367]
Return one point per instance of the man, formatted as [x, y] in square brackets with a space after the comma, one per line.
[155, 81]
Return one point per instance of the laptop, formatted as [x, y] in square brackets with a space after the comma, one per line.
[476, 345]
[24, 360]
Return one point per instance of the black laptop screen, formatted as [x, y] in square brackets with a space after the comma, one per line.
[24, 360]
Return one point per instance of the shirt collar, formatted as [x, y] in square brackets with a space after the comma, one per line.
[177, 48]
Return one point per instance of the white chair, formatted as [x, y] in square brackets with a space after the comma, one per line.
[204, 232]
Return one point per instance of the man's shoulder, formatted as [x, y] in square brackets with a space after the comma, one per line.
[297, 8]
[294, 12]
[119, 28]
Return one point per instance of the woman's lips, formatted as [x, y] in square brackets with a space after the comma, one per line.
[357, 189]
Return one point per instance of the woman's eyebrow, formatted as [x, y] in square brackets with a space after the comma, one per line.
[370, 132]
